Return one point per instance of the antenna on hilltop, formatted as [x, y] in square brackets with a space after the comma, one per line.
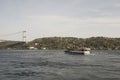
[24, 36]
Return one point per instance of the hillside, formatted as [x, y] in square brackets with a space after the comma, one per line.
[12, 45]
[56, 43]
[99, 43]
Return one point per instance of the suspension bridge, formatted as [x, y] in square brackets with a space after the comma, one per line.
[21, 34]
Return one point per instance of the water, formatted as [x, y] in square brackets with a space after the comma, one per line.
[56, 65]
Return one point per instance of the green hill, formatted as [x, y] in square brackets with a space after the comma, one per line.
[56, 43]
[63, 42]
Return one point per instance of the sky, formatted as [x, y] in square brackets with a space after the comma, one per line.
[61, 18]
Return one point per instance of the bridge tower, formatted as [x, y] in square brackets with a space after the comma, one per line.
[24, 36]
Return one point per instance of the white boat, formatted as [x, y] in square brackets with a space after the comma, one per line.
[83, 51]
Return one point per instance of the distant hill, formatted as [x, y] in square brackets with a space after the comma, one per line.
[56, 43]
[99, 43]
[12, 45]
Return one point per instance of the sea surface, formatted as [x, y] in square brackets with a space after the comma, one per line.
[56, 65]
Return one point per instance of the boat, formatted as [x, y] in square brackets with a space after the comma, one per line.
[80, 51]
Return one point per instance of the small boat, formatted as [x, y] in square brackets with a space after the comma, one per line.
[81, 51]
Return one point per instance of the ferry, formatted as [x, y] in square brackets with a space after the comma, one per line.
[81, 51]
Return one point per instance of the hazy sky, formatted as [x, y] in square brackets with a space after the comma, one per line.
[65, 18]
